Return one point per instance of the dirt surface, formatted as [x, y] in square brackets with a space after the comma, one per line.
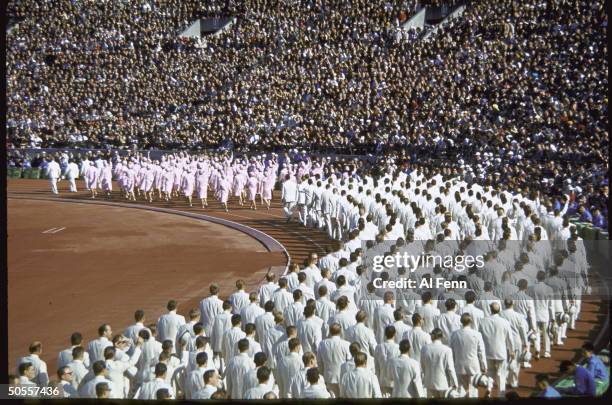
[106, 262]
[298, 241]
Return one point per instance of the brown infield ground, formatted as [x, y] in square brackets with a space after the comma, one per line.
[115, 256]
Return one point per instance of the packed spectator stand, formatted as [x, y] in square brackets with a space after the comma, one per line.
[510, 93]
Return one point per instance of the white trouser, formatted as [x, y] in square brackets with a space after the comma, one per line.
[72, 184]
[329, 224]
[466, 387]
[514, 367]
[333, 227]
[53, 185]
[498, 370]
[303, 214]
[319, 218]
[288, 208]
[542, 331]
[336, 229]
[561, 330]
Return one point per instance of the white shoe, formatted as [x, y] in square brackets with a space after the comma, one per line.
[526, 365]
[546, 355]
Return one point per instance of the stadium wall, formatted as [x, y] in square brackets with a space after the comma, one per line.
[416, 21]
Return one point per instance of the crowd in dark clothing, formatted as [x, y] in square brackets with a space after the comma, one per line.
[513, 90]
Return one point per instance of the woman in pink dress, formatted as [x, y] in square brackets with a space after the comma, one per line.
[252, 184]
[118, 173]
[141, 179]
[130, 181]
[149, 180]
[92, 179]
[238, 184]
[178, 176]
[168, 181]
[158, 175]
[201, 183]
[224, 191]
[268, 186]
[187, 184]
[214, 178]
[107, 178]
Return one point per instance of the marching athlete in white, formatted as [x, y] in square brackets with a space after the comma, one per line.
[438, 366]
[469, 355]
[499, 346]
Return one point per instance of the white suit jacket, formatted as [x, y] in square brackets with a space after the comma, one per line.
[79, 371]
[149, 356]
[209, 307]
[429, 313]
[251, 380]
[310, 333]
[264, 322]
[88, 389]
[345, 318]
[289, 191]
[239, 300]
[249, 314]
[229, 347]
[438, 366]
[497, 337]
[383, 316]
[41, 377]
[325, 309]
[149, 389]
[468, 351]
[363, 335]
[293, 313]
[519, 327]
[317, 391]
[65, 356]
[359, 383]
[131, 332]
[287, 368]
[270, 338]
[206, 392]
[221, 324]
[328, 202]
[54, 170]
[332, 352]
[542, 296]
[476, 314]
[194, 382]
[259, 391]
[282, 299]
[418, 339]
[448, 322]
[96, 347]
[266, 291]
[299, 383]
[235, 374]
[382, 355]
[168, 324]
[405, 374]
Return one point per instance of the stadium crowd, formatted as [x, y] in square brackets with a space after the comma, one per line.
[485, 138]
[335, 327]
[515, 87]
